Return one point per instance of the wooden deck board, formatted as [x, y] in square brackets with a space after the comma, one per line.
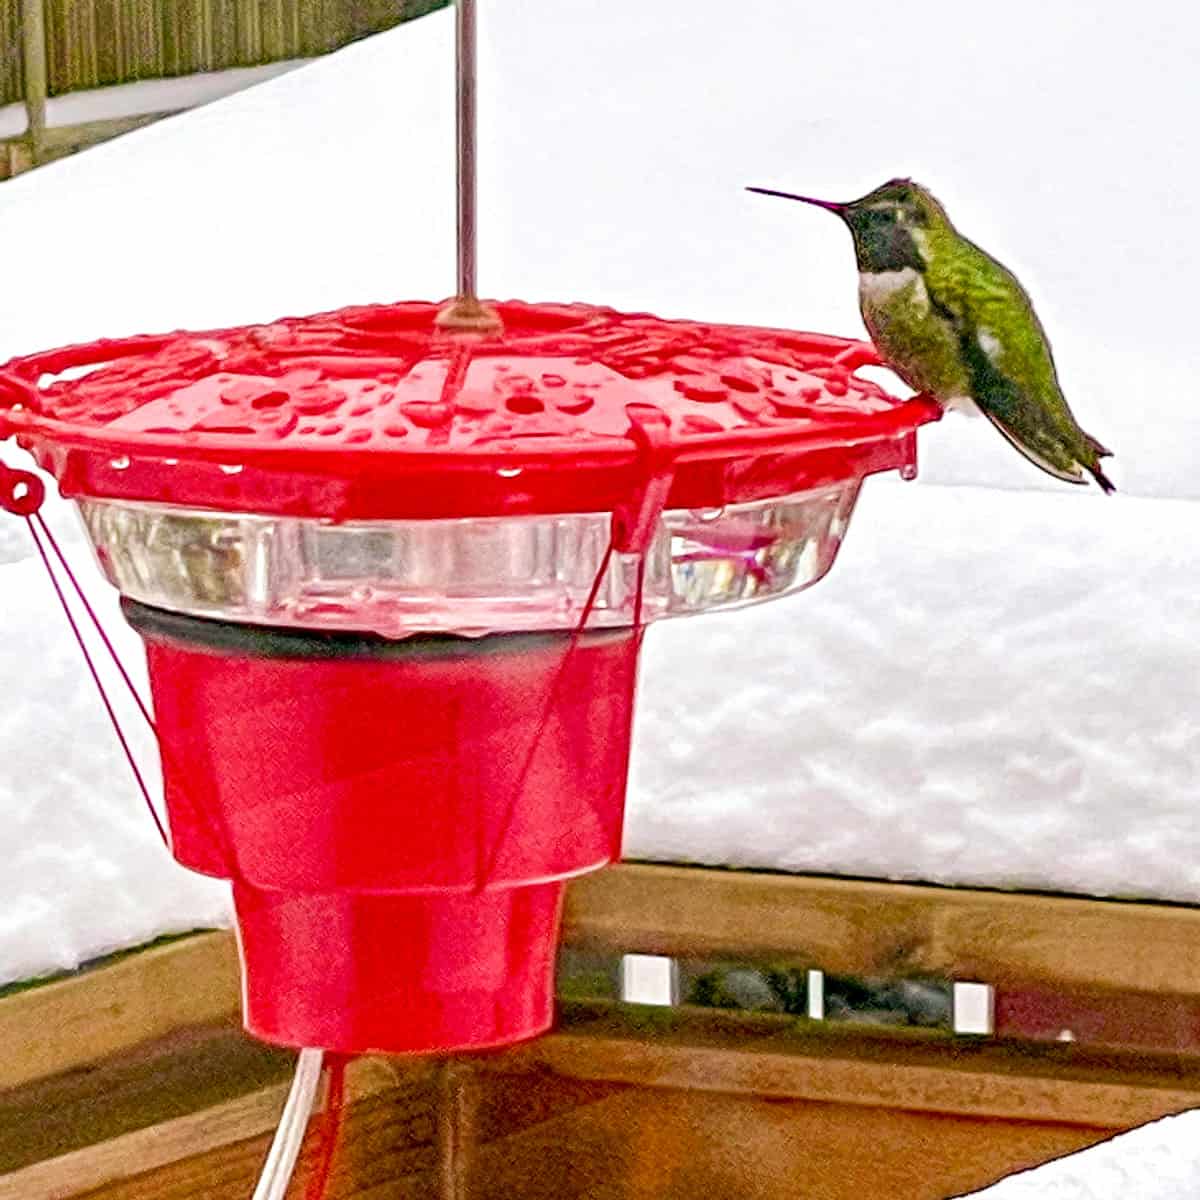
[154, 1094]
[143, 997]
[595, 1110]
[866, 927]
[840, 925]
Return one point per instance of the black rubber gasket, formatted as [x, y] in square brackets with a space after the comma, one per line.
[264, 641]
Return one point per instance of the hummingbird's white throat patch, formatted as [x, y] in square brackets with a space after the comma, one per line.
[879, 286]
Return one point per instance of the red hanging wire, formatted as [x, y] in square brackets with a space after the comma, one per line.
[214, 820]
[331, 1125]
[91, 612]
[91, 666]
[493, 854]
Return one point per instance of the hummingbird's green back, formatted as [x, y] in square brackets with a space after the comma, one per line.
[1005, 352]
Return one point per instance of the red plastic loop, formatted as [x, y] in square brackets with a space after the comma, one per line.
[21, 492]
[634, 523]
[15, 391]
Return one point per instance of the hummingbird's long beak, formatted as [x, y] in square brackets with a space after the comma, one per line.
[828, 205]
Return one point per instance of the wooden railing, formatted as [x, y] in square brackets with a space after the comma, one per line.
[625, 1101]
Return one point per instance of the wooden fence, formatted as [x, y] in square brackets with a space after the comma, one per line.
[95, 43]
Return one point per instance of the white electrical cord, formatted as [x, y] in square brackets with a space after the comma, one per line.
[281, 1159]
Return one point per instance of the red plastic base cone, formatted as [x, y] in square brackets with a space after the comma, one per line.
[397, 817]
[400, 973]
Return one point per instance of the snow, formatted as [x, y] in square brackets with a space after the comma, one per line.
[85, 873]
[144, 96]
[1159, 1161]
[994, 685]
[991, 688]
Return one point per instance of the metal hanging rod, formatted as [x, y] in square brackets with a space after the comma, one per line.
[466, 312]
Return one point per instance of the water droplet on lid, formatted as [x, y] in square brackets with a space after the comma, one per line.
[427, 414]
[318, 398]
[792, 406]
[475, 404]
[576, 405]
[754, 407]
[120, 463]
[908, 472]
[508, 472]
[739, 383]
[704, 393]
[525, 404]
[301, 377]
[231, 468]
[170, 462]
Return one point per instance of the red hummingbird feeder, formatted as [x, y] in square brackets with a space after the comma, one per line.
[392, 566]
[392, 580]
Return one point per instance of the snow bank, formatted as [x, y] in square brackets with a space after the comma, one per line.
[995, 688]
[1160, 1161]
[84, 871]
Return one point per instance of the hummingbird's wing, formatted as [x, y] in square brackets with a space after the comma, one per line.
[1066, 475]
[1008, 361]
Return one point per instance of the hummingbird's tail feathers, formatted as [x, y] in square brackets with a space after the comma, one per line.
[1074, 474]
[1106, 485]
[1101, 451]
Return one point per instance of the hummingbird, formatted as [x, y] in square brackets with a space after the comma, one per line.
[956, 324]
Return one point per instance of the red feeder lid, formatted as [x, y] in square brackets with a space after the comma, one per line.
[374, 413]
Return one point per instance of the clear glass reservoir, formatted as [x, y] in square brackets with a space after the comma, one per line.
[467, 576]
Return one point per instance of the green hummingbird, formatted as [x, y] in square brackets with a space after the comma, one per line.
[954, 323]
